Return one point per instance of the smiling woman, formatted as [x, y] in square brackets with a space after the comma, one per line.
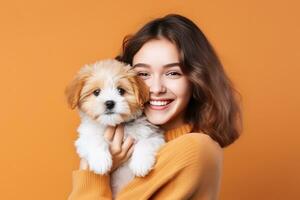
[158, 64]
[213, 107]
[191, 98]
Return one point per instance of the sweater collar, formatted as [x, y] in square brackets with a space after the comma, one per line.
[176, 132]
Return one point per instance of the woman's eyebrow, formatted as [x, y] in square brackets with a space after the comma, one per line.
[165, 66]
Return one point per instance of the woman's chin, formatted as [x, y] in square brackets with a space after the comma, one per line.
[156, 119]
[158, 116]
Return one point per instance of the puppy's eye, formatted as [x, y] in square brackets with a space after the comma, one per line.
[96, 92]
[121, 91]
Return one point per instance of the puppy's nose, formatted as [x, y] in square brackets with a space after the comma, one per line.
[109, 104]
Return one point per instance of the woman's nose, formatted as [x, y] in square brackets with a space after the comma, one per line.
[157, 86]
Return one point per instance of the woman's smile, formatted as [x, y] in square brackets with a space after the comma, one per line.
[162, 104]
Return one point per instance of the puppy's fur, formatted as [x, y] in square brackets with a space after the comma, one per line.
[108, 93]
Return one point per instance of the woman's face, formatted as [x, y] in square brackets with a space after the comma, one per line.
[157, 63]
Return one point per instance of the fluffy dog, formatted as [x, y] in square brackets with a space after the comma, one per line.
[108, 93]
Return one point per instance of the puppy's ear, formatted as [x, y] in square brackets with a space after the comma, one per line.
[73, 90]
[141, 91]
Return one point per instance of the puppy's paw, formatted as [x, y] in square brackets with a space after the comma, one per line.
[141, 166]
[100, 164]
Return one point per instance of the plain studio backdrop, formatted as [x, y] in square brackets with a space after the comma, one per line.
[44, 43]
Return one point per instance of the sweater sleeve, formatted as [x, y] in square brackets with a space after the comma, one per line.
[90, 186]
[188, 167]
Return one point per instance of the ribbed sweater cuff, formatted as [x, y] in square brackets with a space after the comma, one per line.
[88, 183]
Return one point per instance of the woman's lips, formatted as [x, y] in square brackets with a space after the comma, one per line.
[159, 104]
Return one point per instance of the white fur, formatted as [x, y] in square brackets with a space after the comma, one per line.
[92, 146]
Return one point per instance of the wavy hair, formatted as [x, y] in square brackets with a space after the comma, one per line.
[214, 108]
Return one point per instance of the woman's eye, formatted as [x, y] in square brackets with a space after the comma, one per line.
[142, 74]
[173, 74]
[121, 91]
[96, 92]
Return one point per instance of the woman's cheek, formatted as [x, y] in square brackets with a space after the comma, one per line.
[179, 87]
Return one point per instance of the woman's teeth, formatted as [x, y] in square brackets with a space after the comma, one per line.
[159, 103]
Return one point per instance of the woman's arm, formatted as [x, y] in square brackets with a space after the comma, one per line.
[191, 163]
[211, 164]
[90, 186]
[188, 167]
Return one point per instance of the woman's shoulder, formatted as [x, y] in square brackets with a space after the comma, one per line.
[208, 162]
[207, 149]
[196, 148]
[205, 140]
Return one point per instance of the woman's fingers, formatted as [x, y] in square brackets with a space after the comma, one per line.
[116, 145]
[129, 141]
[122, 150]
[129, 152]
[119, 135]
[109, 133]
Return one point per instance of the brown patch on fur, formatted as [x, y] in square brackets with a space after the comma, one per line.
[126, 85]
[140, 89]
[73, 90]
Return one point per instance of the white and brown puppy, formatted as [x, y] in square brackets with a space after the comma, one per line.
[108, 93]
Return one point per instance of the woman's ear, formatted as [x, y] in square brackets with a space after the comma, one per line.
[141, 91]
[73, 90]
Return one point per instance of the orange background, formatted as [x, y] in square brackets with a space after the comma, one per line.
[43, 44]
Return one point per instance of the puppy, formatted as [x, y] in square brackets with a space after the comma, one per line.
[108, 93]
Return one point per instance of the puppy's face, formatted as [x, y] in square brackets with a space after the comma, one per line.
[107, 91]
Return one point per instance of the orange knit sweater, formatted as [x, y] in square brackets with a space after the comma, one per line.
[188, 166]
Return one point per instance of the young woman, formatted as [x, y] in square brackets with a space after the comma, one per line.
[191, 98]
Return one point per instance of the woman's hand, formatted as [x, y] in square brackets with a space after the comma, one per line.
[120, 151]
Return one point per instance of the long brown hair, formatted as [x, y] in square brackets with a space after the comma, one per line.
[214, 108]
